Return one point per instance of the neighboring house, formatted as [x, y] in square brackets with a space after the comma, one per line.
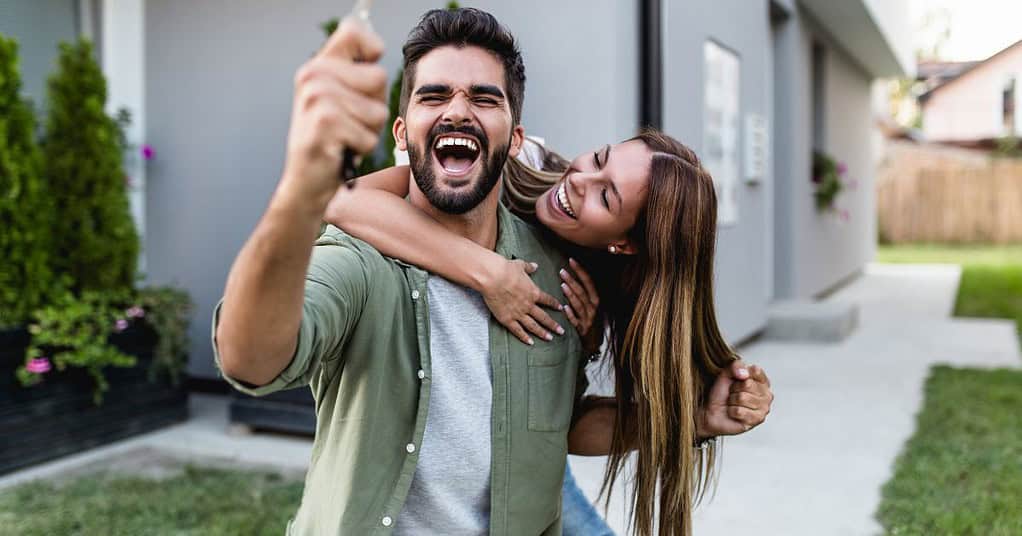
[754, 86]
[980, 103]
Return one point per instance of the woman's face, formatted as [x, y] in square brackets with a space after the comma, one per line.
[600, 197]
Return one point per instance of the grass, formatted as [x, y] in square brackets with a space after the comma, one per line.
[966, 255]
[961, 473]
[991, 285]
[198, 501]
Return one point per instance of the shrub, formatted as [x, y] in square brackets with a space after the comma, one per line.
[25, 209]
[94, 241]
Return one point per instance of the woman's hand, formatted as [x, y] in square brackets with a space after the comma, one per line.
[583, 303]
[517, 303]
[739, 400]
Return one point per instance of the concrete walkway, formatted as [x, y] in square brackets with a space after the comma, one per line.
[842, 412]
[841, 415]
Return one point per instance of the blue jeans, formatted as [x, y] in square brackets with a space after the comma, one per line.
[578, 516]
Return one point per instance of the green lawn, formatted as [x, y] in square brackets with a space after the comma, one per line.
[198, 501]
[991, 285]
[961, 473]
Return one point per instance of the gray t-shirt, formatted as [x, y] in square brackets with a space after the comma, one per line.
[450, 492]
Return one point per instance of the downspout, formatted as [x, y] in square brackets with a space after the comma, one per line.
[651, 64]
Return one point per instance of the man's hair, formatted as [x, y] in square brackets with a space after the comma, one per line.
[465, 27]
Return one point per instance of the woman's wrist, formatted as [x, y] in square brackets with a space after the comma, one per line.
[484, 270]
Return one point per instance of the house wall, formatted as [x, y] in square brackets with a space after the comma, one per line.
[744, 256]
[816, 251]
[38, 26]
[218, 97]
[970, 107]
[218, 90]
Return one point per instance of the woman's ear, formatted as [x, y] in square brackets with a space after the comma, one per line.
[623, 247]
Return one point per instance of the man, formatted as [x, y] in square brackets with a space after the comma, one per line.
[431, 418]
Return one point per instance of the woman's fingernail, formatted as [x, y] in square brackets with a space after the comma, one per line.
[564, 287]
[572, 261]
[560, 330]
[564, 273]
[743, 372]
[531, 342]
[567, 309]
[534, 266]
[548, 337]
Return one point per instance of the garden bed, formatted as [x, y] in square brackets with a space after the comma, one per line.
[292, 411]
[58, 416]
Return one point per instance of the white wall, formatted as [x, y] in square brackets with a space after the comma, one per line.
[123, 50]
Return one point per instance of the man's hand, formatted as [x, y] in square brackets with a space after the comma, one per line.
[339, 102]
[739, 400]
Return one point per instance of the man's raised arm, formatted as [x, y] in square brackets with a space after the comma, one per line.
[338, 103]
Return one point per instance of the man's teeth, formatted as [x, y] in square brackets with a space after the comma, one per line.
[464, 142]
[562, 199]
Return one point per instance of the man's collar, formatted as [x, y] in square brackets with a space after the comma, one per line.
[507, 238]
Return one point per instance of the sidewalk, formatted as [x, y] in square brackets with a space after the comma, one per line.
[841, 415]
[842, 412]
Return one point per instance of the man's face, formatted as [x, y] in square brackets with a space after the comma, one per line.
[458, 128]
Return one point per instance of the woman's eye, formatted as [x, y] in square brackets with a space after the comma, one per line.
[606, 202]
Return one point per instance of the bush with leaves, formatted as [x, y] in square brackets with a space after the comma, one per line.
[166, 311]
[94, 240]
[75, 332]
[25, 211]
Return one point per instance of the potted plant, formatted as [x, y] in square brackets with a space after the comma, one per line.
[90, 358]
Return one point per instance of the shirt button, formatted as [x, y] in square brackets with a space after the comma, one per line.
[421, 374]
[387, 521]
[410, 448]
[415, 294]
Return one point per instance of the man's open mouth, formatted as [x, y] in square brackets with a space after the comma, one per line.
[456, 154]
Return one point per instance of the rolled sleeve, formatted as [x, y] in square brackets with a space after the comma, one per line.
[336, 287]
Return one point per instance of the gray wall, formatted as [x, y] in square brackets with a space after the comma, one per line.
[218, 96]
[38, 25]
[743, 250]
[814, 251]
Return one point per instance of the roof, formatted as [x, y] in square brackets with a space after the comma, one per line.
[961, 74]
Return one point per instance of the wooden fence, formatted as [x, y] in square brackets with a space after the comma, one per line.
[928, 193]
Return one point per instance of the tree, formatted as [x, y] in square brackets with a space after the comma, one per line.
[95, 242]
[26, 280]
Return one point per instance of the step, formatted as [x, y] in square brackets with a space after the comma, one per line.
[808, 321]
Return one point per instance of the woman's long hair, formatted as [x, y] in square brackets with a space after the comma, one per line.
[665, 345]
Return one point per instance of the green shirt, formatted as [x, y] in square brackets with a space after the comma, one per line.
[363, 348]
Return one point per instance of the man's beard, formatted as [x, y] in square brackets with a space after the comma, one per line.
[457, 202]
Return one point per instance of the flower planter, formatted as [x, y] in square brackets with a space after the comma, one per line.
[292, 411]
[58, 416]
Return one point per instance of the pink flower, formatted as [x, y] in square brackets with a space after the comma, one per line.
[121, 325]
[148, 152]
[135, 312]
[38, 365]
[841, 168]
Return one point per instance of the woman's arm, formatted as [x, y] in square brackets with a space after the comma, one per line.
[374, 211]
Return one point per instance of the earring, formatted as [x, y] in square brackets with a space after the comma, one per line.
[613, 250]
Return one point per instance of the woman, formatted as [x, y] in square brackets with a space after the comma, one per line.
[641, 216]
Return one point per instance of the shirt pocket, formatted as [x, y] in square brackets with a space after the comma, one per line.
[551, 388]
